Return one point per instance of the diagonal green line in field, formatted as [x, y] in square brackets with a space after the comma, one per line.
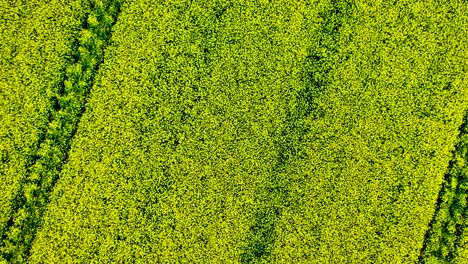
[449, 220]
[35, 48]
[67, 107]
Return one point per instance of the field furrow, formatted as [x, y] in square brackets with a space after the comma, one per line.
[320, 39]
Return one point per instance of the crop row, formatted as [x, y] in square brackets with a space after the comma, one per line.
[66, 95]
[461, 255]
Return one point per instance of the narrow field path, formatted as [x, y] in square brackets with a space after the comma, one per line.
[35, 50]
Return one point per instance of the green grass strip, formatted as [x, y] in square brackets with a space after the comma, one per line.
[445, 239]
[68, 106]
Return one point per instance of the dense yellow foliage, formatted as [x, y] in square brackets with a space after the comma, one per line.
[233, 131]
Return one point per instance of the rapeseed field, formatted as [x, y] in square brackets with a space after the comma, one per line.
[224, 131]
